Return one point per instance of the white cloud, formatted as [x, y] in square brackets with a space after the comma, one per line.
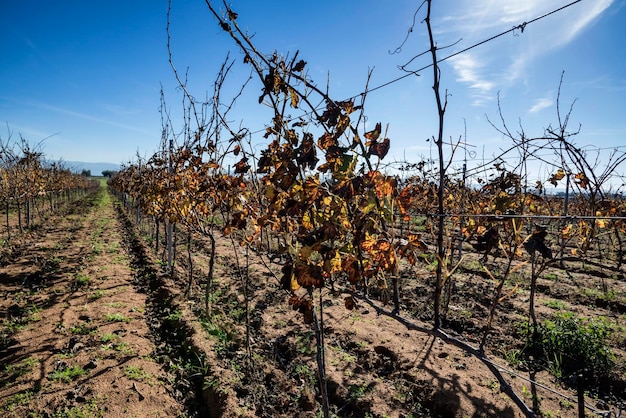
[469, 70]
[497, 64]
[581, 21]
[541, 104]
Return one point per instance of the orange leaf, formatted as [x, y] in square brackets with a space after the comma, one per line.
[309, 275]
[326, 141]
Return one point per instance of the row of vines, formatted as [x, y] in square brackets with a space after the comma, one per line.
[320, 198]
[31, 187]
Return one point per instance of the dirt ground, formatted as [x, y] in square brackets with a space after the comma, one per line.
[92, 327]
[75, 341]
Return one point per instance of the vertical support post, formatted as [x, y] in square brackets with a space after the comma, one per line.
[581, 396]
[170, 227]
[462, 214]
[563, 224]
[138, 203]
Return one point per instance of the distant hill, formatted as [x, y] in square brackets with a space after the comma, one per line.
[96, 169]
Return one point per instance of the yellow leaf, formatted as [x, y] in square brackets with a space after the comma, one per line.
[306, 221]
[294, 98]
[333, 265]
[567, 231]
[294, 283]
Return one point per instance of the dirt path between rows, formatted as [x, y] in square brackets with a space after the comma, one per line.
[74, 341]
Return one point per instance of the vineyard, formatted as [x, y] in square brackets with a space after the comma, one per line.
[313, 278]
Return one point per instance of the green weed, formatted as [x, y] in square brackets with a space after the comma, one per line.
[88, 410]
[81, 280]
[174, 316]
[19, 399]
[82, 329]
[514, 357]
[570, 343]
[358, 391]
[66, 375]
[116, 317]
[138, 374]
[121, 347]
[15, 371]
[556, 304]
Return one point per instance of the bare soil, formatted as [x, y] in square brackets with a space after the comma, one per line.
[147, 349]
[75, 341]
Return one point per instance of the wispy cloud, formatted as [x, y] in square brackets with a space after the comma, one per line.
[470, 70]
[28, 132]
[494, 66]
[85, 116]
[605, 83]
[541, 104]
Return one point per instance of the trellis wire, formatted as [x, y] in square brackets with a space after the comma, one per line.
[505, 217]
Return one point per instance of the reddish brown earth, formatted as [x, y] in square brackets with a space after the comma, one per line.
[84, 291]
[69, 305]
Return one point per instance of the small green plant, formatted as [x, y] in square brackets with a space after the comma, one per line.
[24, 316]
[174, 316]
[223, 337]
[556, 304]
[124, 348]
[116, 317]
[493, 385]
[305, 373]
[107, 338]
[82, 329]
[213, 383]
[556, 366]
[138, 374]
[419, 223]
[52, 264]
[19, 399]
[113, 248]
[96, 248]
[96, 294]
[304, 343]
[14, 371]
[514, 357]
[81, 280]
[14, 325]
[88, 410]
[342, 354]
[238, 314]
[67, 374]
[358, 391]
[566, 404]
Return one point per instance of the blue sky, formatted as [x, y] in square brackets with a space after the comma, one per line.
[87, 74]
